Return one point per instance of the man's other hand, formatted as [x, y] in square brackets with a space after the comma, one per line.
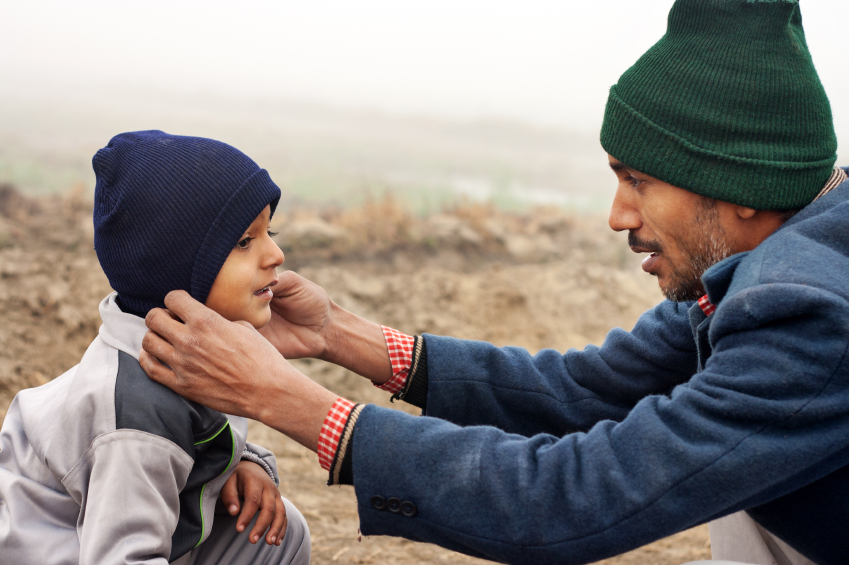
[306, 323]
[301, 313]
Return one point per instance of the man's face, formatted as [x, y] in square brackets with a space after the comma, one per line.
[682, 231]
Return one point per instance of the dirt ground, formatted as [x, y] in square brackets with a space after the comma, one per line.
[539, 279]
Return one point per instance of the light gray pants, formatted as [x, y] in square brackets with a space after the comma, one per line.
[226, 546]
[738, 538]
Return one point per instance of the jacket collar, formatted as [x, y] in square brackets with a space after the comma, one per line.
[121, 330]
[717, 279]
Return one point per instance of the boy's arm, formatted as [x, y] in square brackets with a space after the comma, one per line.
[130, 508]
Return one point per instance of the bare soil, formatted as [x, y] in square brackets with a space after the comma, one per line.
[538, 279]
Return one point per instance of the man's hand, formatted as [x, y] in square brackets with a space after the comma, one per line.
[230, 367]
[306, 323]
[249, 482]
[301, 313]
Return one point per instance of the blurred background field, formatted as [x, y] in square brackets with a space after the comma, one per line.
[439, 163]
[539, 278]
[318, 154]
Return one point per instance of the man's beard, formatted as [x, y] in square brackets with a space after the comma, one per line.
[704, 246]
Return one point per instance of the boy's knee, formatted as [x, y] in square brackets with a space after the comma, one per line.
[296, 542]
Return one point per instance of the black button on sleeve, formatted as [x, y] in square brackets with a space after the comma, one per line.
[378, 502]
[393, 505]
[409, 509]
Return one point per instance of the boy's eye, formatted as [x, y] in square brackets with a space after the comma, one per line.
[244, 243]
[271, 233]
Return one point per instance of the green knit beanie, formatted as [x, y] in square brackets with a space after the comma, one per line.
[727, 105]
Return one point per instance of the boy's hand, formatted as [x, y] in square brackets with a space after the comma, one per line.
[253, 485]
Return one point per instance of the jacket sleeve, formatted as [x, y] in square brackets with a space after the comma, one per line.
[262, 457]
[708, 449]
[476, 383]
[131, 506]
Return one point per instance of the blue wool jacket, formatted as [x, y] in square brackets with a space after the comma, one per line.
[571, 458]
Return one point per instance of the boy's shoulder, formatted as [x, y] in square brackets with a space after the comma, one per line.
[140, 403]
[144, 405]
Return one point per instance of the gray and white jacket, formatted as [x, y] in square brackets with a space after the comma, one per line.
[104, 466]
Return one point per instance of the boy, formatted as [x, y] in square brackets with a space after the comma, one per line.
[103, 465]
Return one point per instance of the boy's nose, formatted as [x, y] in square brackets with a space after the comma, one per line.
[273, 256]
[277, 256]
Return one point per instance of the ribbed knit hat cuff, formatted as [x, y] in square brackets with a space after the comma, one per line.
[237, 215]
[645, 146]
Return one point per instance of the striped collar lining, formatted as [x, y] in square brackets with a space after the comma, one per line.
[838, 177]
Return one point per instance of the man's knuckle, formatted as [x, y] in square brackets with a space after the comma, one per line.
[191, 344]
[148, 341]
[205, 322]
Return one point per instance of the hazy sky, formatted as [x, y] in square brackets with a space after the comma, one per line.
[546, 62]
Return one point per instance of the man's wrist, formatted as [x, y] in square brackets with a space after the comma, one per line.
[333, 333]
[295, 406]
[356, 344]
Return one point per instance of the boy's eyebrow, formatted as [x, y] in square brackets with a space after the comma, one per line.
[617, 166]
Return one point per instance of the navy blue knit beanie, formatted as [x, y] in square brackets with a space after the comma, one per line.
[168, 209]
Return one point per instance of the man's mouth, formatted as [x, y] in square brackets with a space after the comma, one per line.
[643, 246]
[650, 262]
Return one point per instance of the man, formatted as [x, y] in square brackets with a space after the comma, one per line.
[732, 410]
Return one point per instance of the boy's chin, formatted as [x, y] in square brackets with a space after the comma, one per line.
[261, 320]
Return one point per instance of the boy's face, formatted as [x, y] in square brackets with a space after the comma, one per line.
[241, 290]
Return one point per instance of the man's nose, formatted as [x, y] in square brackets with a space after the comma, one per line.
[623, 214]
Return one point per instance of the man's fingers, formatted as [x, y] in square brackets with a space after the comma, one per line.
[278, 526]
[286, 282]
[245, 324]
[156, 370]
[230, 494]
[186, 308]
[157, 347]
[164, 322]
[266, 514]
[170, 314]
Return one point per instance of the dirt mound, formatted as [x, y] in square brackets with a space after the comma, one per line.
[539, 279]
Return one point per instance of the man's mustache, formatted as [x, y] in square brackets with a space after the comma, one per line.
[650, 246]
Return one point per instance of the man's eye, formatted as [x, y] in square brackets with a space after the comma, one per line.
[634, 182]
[271, 233]
[244, 243]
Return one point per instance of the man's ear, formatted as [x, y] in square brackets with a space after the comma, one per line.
[744, 213]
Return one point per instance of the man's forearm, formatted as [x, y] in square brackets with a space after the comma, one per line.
[294, 407]
[358, 345]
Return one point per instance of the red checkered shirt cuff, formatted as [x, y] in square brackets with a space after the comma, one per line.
[706, 306]
[400, 347]
[331, 431]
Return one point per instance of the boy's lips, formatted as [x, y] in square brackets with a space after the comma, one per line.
[265, 292]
